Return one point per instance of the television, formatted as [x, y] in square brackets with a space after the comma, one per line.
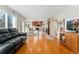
[72, 25]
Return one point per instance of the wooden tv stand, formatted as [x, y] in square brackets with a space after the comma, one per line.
[71, 40]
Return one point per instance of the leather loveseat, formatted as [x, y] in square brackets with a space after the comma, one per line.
[10, 40]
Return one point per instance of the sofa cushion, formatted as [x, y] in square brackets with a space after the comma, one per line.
[4, 35]
[15, 41]
[22, 34]
[3, 31]
[13, 32]
[6, 47]
[22, 37]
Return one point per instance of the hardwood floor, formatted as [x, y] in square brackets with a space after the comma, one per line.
[43, 45]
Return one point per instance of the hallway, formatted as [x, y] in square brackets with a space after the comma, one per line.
[43, 45]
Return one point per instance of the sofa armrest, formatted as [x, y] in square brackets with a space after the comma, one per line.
[22, 34]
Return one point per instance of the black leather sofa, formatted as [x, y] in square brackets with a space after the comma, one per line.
[11, 40]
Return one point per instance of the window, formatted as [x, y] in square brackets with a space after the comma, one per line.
[6, 20]
[10, 21]
[2, 19]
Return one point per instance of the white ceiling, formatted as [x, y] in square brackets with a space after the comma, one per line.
[39, 11]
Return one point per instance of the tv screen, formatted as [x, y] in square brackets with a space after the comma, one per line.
[72, 25]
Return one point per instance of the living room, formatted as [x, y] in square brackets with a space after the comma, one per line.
[39, 29]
